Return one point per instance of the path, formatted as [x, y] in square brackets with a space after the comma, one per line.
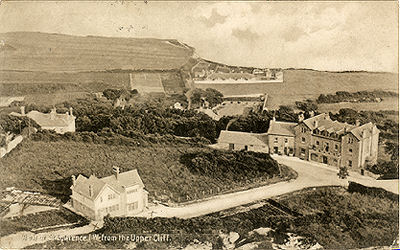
[310, 174]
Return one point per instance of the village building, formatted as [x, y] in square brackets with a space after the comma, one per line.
[280, 137]
[316, 139]
[338, 144]
[234, 140]
[60, 123]
[121, 194]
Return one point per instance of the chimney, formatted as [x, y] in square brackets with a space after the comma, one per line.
[311, 113]
[273, 118]
[53, 113]
[90, 190]
[301, 117]
[22, 110]
[73, 180]
[116, 172]
[70, 111]
[357, 123]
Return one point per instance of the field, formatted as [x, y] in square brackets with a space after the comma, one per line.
[47, 167]
[299, 85]
[33, 51]
[386, 104]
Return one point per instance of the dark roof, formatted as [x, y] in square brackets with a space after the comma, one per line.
[281, 128]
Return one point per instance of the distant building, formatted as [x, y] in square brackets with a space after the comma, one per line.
[60, 123]
[234, 140]
[339, 144]
[315, 139]
[121, 194]
[281, 137]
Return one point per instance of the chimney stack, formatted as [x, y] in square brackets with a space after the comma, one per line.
[73, 180]
[301, 117]
[116, 172]
[357, 123]
[53, 113]
[22, 110]
[364, 133]
[273, 118]
[70, 111]
[311, 113]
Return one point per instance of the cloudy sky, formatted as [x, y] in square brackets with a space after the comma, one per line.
[318, 35]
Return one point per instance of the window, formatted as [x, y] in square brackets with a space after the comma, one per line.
[276, 140]
[286, 140]
[133, 206]
[302, 151]
[246, 148]
[350, 150]
[317, 142]
[132, 191]
[350, 163]
[303, 140]
[336, 147]
[111, 196]
[350, 140]
[326, 146]
[303, 130]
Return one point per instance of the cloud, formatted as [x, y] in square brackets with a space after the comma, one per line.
[293, 34]
[214, 19]
[245, 34]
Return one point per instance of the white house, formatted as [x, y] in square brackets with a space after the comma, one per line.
[234, 140]
[121, 194]
[60, 123]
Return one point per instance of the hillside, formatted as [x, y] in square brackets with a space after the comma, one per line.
[302, 84]
[33, 51]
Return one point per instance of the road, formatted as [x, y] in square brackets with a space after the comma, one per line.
[310, 174]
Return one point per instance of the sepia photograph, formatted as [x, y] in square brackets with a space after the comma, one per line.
[199, 125]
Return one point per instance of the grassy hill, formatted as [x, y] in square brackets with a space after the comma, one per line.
[34, 51]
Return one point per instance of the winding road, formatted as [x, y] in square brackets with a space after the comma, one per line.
[310, 174]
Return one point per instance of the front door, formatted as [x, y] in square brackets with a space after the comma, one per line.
[325, 159]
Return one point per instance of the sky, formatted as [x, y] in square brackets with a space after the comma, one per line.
[330, 36]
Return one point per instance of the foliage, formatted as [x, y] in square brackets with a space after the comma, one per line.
[308, 105]
[16, 124]
[231, 165]
[212, 96]
[114, 94]
[360, 96]
[343, 172]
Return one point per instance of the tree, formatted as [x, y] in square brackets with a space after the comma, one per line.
[343, 172]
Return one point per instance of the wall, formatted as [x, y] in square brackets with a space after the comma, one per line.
[318, 152]
[298, 142]
[10, 146]
[239, 146]
[280, 143]
[355, 155]
[103, 204]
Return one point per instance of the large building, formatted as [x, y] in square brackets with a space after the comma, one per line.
[339, 144]
[315, 139]
[121, 194]
[60, 123]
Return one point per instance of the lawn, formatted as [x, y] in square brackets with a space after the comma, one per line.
[47, 167]
[387, 104]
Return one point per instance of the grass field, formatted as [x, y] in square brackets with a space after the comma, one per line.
[47, 167]
[34, 51]
[299, 85]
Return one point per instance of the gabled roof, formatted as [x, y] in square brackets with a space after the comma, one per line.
[125, 179]
[281, 128]
[240, 138]
[368, 129]
[51, 119]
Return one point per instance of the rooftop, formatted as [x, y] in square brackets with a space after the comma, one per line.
[125, 179]
[281, 128]
[241, 137]
[52, 119]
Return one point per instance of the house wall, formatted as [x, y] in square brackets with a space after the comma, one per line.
[135, 197]
[240, 146]
[104, 205]
[278, 141]
[83, 205]
[354, 156]
[325, 150]
[374, 147]
[299, 144]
